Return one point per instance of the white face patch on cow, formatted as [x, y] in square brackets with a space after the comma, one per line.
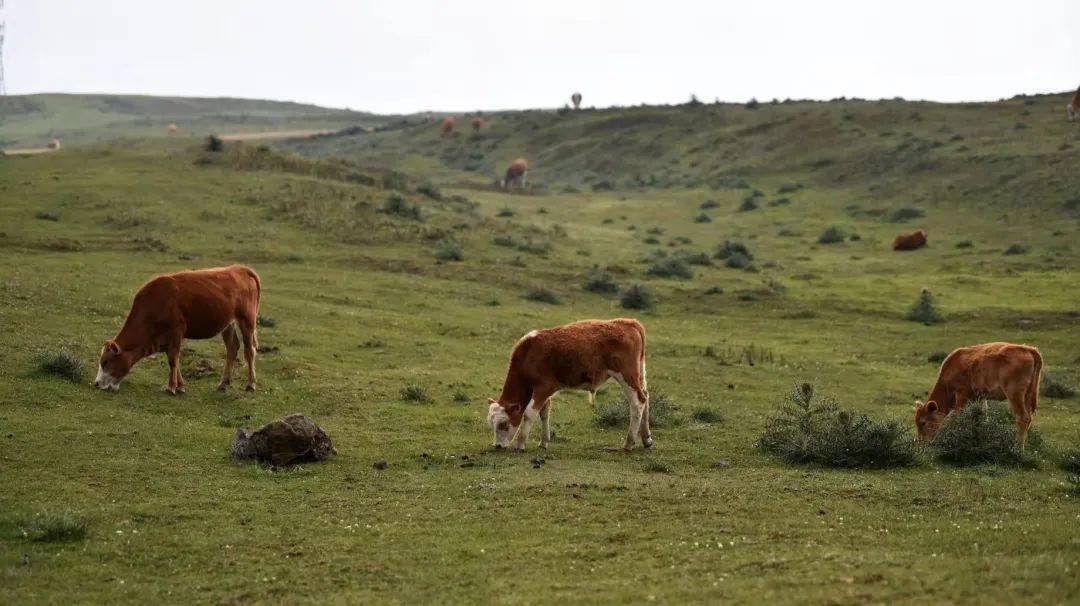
[500, 424]
[106, 381]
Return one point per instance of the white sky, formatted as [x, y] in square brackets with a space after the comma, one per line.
[410, 55]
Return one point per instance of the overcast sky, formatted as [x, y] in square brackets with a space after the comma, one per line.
[410, 55]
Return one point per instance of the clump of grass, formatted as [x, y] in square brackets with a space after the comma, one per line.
[729, 248]
[1016, 249]
[964, 244]
[55, 528]
[505, 212]
[414, 393]
[461, 397]
[637, 297]
[214, 144]
[749, 203]
[47, 215]
[600, 281]
[503, 240]
[1053, 387]
[982, 433]
[671, 268]
[809, 429]
[904, 214]
[706, 205]
[937, 356]
[265, 321]
[832, 235]
[737, 260]
[657, 466]
[398, 206]
[64, 364]
[542, 295]
[449, 250]
[787, 188]
[707, 415]
[429, 190]
[695, 258]
[702, 218]
[617, 414]
[1070, 461]
[924, 310]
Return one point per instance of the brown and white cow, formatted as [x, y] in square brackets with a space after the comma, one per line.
[1073, 105]
[516, 173]
[910, 241]
[197, 304]
[447, 126]
[581, 355]
[576, 100]
[992, 371]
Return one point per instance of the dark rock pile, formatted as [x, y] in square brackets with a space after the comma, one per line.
[294, 439]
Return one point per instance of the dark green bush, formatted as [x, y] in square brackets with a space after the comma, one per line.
[1016, 249]
[706, 205]
[749, 203]
[694, 258]
[46, 215]
[806, 429]
[398, 206]
[1053, 387]
[55, 528]
[637, 297]
[505, 212]
[964, 244]
[924, 310]
[214, 144]
[617, 414]
[449, 250]
[414, 393]
[265, 321]
[600, 281]
[982, 433]
[64, 364]
[729, 248]
[832, 235]
[542, 295]
[707, 415]
[904, 214]
[671, 268]
[1070, 461]
[737, 260]
[702, 218]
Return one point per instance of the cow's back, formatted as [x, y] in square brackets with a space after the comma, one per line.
[207, 300]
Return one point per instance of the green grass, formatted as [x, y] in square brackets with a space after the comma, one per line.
[363, 308]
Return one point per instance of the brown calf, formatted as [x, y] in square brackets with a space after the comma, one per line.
[477, 124]
[447, 126]
[581, 355]
[515, 173]
[1073, 105]
[911, 241]
[196, 304]
[991, 370]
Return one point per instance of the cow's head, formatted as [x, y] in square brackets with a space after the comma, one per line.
[504, 420]
[115, 364]
[928, 418]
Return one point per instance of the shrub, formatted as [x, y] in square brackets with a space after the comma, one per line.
[706, 205]
[414, 393]
[904, 214]
[695, 258]
[543, 295]
[752, 104]
[449, 250]
[780, 202]
[600, 281]
[831, 235]
[749, 203]
[671, 268]
[503, 240]
[937, 357]
[505, 212]
[981, 433]
[1016, 249]
[214, 144]
[924, 310]
[1052, 387]
[617, 414]
[1070, 461]
[63, 364]
[787, 188]
[55, 528]
[964, 244]
[637, 297]
[651, 240]
[707, 415]
[429, 190]
[737, 260]
[47, 215]
[702, 218]
[461, 397]
[398, 206]
[729, 248]
[657, 466]
[265, 321]
[814, 430]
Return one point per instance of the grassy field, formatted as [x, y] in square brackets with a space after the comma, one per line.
[362, 307]
[32, 120]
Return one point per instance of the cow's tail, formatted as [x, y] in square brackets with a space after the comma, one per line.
[1033, 387]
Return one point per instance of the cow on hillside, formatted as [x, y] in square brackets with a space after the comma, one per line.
[1073, 105]
[197, 304]
[991, 371]
[581, 355]
[515, 174]
[477, 124]
[447, 126]
[910, 241]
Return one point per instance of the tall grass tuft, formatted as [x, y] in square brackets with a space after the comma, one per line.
[542, 295]
[600, 281]
[414, 393]
[809, 429]
[55, 528]
[637, 297]
[64, 364]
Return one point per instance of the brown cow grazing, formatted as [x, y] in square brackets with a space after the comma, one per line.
[54, 144]
[447, 126]
[477, 124]
[911, 241]
[576, 99]
[172, 128]
[196, 304]
[581, 355]
[992, 370]
[1073, 105]
[516, 174]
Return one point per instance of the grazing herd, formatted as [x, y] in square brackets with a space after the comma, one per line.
[201, 304]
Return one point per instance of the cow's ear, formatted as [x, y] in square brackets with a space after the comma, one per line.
[918, 404]
[931, 406]
[112, 347]
[492, 401]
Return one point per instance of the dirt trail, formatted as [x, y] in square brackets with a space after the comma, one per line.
[27, 151]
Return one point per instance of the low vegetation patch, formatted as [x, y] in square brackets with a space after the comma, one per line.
[671, 268]
[398, 206]
[702, 218]
[832, 235]
[414, 393]
[600, 281]
[1070, 461]
[983, 432]
[706, 205]
[265, 321]
[924, 310]
[749, 203]
[617, 414]
[637, 297]
[905, 214]
[1054, 387]
[734, 254]
[47, 215]
[63, 364]
[1016, 249]
[55, 528]
[449, 250]
[214, 143]
[707, 415]
[809, 429]
[543, 295]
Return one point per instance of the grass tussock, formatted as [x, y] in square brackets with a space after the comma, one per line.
[414, 393]
[809, 429]
[1070, 461]
[55, 528]
[1053, 387]
[47, 215]
[924, 310]
[905, 214]
[600, 281]
[832, 235]
[671, 268]
[707, 415]
[617, 414]
[983, 432]
[265, 321]
[63, 364]
[450, 251]
[396, 205]
[637, 297]
[540, 294]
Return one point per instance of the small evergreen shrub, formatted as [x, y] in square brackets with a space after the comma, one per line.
[729, 248]
[398, 206]
[637, 297]
[831, 235]
[55, 528]
[707, 415]
[64, 364]
[1016, 249]
[702, 218]
[449, 250]
[214, 144]
[924, 310]
[265, 321]
[1053, 387]
[600, 281]
[749, 203]
[543, 295]
[671, 268]
[982, 433]
[905, 214]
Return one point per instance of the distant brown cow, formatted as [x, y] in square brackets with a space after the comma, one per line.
[447, 126]
[477, 124]
[576, 99]
[992, 370]
[515, 173]
[172, 129]
[196, 304]
[1073, 105]
[911, 241]
[581, 355]
[54, 144]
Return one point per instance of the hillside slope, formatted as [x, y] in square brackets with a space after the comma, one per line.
[31, 120]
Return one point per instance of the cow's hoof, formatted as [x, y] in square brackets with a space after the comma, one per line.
[250, 387]
[170, 390]
[647, 442]
[223, 387]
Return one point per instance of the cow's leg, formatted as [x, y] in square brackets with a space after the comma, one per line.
[545, 420]
[232, 348]
[175, 384]
[636, 406]
[643, 394]
[592, 398]
[532, 410]
[247, 331]
[1021, 414]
